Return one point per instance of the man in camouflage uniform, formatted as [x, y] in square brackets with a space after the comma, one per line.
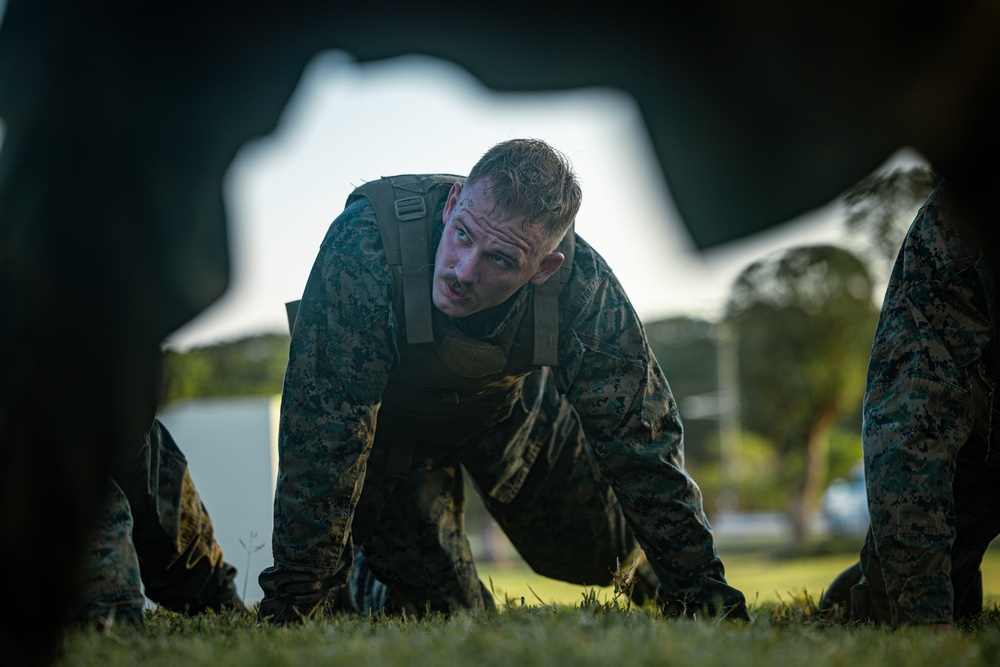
[931, 433]
[579, 458]
[155, 532]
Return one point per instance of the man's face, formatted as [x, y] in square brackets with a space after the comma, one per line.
[484, 257]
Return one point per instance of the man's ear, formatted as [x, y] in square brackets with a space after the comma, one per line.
[451, 202]
[550, 264]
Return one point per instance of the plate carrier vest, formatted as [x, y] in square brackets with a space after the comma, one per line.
[486, 388]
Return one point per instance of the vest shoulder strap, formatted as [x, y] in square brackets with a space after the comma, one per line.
[404, 208]
[546, 351]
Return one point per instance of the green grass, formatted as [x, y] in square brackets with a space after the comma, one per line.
[589, 633]
[764, 574]
[759, 575]
[562, 625]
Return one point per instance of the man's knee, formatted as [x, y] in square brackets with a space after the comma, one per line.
[111, 591]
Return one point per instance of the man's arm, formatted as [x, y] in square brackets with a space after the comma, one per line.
[630, 418]
[340, 355]
[918, 413]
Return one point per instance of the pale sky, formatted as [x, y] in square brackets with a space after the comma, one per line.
[349, 123]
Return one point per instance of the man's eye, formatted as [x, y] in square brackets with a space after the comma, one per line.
[500, 260]
[461, 233]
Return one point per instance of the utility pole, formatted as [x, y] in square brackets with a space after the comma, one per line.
[723, 405]
[730, 434]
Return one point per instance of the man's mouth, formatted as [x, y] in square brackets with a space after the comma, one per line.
[456, 290]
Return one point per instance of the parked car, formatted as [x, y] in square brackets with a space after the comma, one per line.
[844, 505]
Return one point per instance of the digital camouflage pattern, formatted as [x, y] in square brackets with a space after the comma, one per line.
[586, 466]
[111, 591]
[154, 531]
[929, 427]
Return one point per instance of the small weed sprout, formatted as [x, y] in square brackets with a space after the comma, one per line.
[538, 597]
[251, 549]
[625, 581]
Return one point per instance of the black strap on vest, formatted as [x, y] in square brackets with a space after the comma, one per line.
[411, 201]
[291, 310]
[547, 307]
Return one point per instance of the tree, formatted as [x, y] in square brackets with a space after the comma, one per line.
[804, 319]
[250, 366]
[879, 210]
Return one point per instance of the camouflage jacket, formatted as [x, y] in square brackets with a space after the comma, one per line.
[919, 409]
[347, 339]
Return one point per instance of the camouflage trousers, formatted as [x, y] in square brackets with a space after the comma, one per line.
[862, 590]
[412, 551]
[153, 532]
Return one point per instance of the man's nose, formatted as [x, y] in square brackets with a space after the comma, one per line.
[465, 269]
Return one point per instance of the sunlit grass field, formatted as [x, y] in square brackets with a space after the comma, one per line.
[763, 574]
[760, 576]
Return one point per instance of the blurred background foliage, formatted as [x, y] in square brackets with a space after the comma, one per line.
[249, 366]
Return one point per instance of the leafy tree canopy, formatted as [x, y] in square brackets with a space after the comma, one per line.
[878, 212]
[250, 366]
[805, 320]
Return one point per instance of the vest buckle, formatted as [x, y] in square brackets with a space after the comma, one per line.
[410, 208]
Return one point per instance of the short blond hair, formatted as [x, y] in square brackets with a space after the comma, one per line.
[528, 177]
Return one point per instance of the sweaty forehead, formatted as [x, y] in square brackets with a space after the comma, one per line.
[477, 207]
[477, 204]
